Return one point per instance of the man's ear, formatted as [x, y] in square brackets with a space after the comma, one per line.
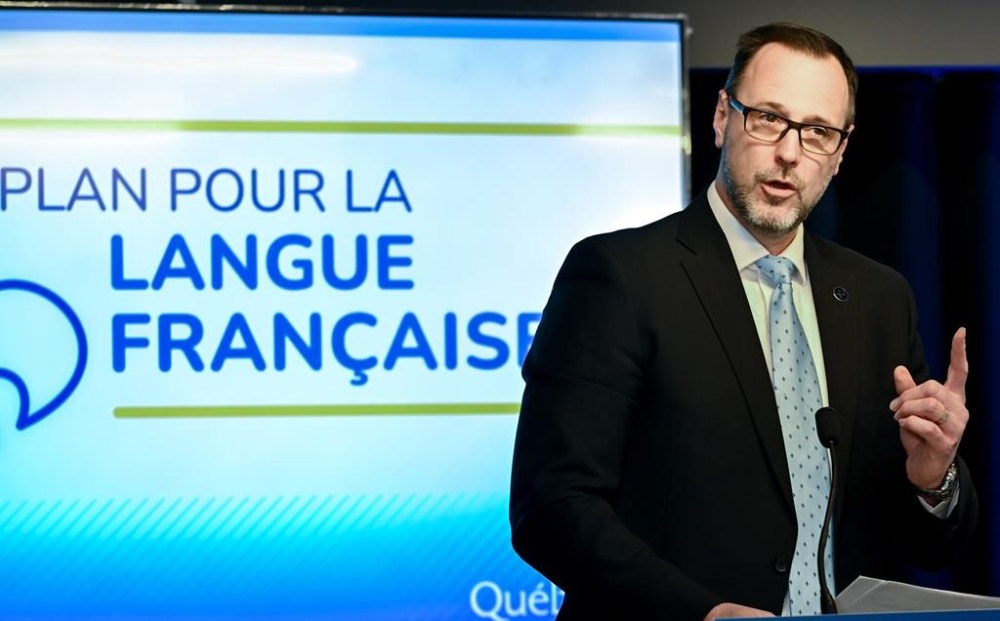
[720, 117]
[843, 148]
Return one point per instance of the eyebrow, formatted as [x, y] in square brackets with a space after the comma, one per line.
[813, 119]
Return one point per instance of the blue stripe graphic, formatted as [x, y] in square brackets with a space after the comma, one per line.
[393, 556]
[341, 25]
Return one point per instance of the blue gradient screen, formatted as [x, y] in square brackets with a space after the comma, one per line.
[266, 284]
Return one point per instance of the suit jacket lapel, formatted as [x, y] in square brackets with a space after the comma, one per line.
[837, 314]
[712, 271]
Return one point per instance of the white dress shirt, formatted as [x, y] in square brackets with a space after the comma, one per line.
[747, 250]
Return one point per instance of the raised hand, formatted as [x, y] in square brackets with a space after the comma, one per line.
[932, 417]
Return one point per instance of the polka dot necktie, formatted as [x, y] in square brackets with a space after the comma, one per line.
[797, 391]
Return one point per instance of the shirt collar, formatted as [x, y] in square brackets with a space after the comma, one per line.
[745, 247]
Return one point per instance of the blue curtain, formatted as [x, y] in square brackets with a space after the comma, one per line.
[919, 190]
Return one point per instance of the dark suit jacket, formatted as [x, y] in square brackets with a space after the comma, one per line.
[649, 477]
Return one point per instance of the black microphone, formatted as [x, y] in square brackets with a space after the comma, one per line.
[828, 429]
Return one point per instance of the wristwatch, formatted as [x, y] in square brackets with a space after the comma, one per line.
[947, 489]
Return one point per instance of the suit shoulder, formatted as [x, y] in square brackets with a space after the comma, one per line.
[856, 263]
[635, 242]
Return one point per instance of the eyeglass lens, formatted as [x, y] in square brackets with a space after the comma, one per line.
[770, 127]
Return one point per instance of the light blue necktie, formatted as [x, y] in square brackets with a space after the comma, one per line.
[797, 391]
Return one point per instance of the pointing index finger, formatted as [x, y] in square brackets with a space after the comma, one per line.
[958, 367]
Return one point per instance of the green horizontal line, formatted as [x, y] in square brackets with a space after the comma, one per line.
[366, 409]
[345, 127]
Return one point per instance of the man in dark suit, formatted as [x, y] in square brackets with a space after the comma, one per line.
[651, 473]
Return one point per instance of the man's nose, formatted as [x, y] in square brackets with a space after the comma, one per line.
[788, 150]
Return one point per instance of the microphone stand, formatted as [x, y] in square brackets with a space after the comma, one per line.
[826, 602]
[828, 429]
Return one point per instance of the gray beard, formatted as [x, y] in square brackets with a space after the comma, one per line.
[755, 221]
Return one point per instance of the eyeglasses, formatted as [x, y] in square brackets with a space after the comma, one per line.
[770, 127]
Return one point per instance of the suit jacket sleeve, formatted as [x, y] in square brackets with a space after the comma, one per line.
[924, 539]
[584, 378]
[881, 527]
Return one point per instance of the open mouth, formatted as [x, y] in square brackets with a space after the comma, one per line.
[780, 185]
[779, 188]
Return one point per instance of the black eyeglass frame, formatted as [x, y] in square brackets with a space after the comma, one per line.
[742, 108]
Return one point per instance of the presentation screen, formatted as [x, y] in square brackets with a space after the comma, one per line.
[267, 280]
